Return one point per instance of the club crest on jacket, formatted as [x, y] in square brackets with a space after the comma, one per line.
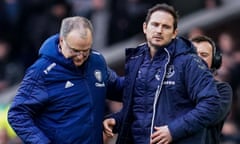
[98, 75]
[170, 71]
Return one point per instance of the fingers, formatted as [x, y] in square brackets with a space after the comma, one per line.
[161, 135]
[108, 134]
[160, 140]
[157, 138]
[108, 125]
[156, 133]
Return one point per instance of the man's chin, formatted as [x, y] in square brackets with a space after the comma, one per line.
[78, 64]
[157, 45]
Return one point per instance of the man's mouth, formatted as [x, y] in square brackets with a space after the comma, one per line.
[158, 37]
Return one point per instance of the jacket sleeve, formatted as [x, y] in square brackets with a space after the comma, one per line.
[225, 92]
[118, 118]
[202, 91]
[115, 86]
[26, 106]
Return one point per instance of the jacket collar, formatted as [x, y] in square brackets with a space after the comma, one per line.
[176, 47]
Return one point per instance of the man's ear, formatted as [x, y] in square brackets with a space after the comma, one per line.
[60, 39]
[175, 33]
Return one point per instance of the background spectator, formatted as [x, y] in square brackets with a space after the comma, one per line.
[8, 67]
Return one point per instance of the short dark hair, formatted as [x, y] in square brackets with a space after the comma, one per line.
[166, 8]
[203, 38]
[216, 55]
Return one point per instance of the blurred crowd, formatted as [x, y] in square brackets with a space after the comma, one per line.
[25, 24]
[229, 72]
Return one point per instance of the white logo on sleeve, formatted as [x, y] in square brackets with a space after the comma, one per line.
[98, 76]
[69, 84]
[49, 68]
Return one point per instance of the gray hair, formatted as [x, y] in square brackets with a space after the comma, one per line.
[75, 23]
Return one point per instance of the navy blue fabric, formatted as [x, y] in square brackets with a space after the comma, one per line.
[214, 131]
[186, 98]
[60, 103]
[144, 93]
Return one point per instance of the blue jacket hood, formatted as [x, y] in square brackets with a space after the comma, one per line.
[186, 47]
[50, 49]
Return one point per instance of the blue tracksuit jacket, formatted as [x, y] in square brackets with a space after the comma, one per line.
[59, 103]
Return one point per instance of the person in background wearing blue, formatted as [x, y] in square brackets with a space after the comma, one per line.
[206, 49]
[61, 99]
[169, 93]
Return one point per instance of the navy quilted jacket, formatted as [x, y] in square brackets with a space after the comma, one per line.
[185, 98]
